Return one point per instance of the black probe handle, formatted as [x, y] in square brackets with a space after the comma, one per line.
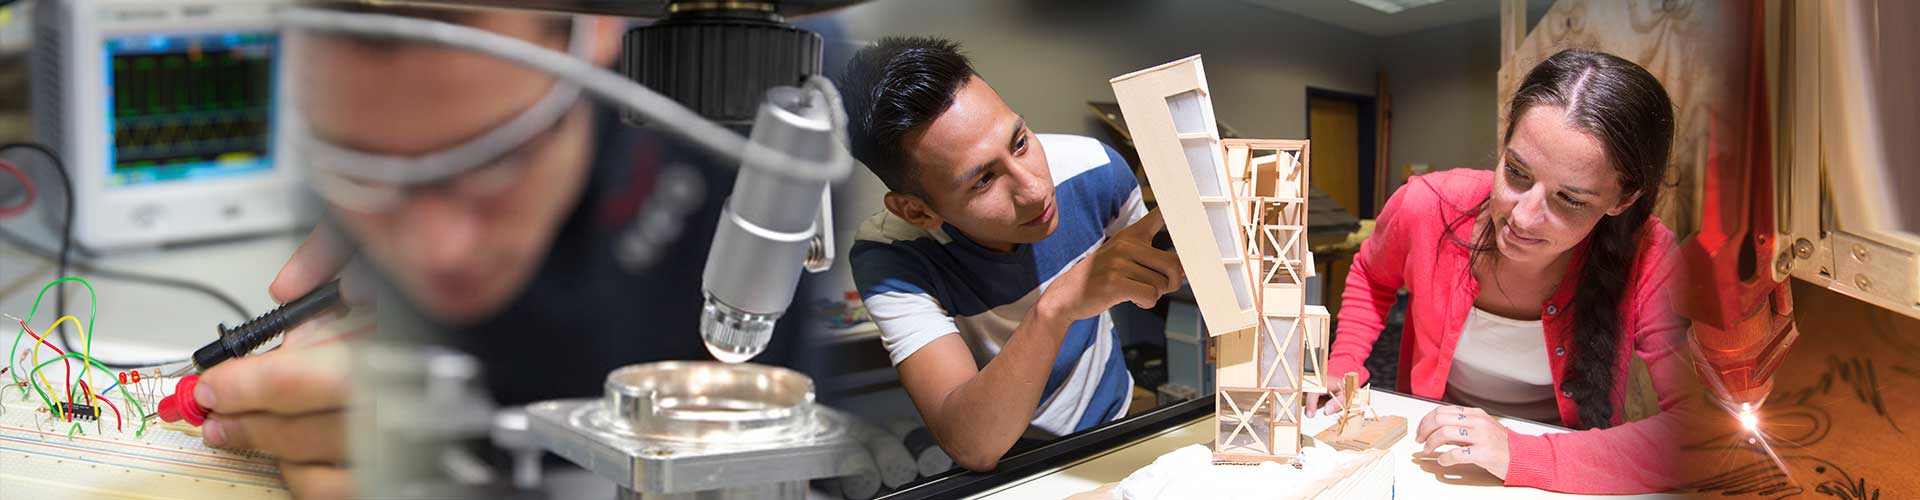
[243, 339]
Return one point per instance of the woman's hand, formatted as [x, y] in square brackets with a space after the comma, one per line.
[1478, 439]
[1327, 404]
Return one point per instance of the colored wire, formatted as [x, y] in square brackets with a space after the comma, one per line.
[100, 272]
[84, 369]
[66, 242]
[52, 407]
[94, 396]
[131, 402]
[86, 392]
[62, 256]
[36, 360]
[26, 202]
[116, 381]
[35, 308]
[85, 355]
[66, 228]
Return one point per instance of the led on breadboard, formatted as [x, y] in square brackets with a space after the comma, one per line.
[39, 460]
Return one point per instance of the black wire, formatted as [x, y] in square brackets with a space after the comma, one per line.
[66, 249]
[66, 231]
[87, 267]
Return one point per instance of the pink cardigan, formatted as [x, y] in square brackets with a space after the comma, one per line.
[1408, 250]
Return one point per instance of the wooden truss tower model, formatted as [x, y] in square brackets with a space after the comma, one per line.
[1237, 211]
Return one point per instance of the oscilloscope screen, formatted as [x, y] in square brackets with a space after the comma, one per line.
[190, 106]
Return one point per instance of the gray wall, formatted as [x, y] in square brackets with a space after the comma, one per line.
[1048, 58]
[1444, 83]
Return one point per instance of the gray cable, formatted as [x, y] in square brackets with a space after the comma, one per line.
[837, 110]
[613, 87]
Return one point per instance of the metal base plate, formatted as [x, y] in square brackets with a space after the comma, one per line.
[581, 431]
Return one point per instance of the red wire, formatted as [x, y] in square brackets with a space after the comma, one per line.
[24, 181]
[63, 363]
[97, 397]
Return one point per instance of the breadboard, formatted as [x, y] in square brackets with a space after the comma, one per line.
[39, 461]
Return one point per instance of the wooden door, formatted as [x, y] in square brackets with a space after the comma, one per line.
[1334, 126]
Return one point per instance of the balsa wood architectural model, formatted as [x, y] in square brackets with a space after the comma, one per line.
[1237, 211]
[1359, 428]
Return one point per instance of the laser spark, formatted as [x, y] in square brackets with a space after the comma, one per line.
[1749, 418]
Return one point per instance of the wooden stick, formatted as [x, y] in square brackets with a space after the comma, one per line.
[1347, 386]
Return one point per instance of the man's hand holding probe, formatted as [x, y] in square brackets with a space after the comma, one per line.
[288, 402]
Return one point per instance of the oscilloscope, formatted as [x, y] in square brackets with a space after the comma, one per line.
[170, 115]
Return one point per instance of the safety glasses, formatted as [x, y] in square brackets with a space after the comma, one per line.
[481, 167]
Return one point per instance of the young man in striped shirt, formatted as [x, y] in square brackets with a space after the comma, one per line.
[1000, 251]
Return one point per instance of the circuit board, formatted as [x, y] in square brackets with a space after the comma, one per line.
[99, 455]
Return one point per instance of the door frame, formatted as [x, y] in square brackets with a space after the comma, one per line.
[1368, 140]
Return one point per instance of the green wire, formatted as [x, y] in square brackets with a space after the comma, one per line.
[93, 301]
[138, 411]
[86, 362]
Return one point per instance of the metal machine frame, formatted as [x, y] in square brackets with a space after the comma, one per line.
[1837, 225]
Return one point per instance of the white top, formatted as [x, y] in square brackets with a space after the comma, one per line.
[1501, 366]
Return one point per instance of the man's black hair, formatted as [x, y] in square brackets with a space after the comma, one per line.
[894, 87]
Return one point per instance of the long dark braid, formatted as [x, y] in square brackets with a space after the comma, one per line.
[1627, 110]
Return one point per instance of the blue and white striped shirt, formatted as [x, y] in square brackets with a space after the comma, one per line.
[921, 285]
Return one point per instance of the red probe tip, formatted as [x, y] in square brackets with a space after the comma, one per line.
[181, 406]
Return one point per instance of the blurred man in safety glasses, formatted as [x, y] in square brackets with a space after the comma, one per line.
[506, 208]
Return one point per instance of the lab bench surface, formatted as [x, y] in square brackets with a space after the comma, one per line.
[1412, 478]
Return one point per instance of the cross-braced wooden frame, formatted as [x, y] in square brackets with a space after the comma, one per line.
[1237, 211]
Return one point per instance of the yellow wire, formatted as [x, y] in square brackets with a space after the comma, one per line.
[84, 356]
[36, 361]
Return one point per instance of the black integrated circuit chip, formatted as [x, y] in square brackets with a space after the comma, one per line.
[80, 411]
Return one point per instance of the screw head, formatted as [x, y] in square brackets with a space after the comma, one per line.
[1802, 249]
[1783, 264]
[1860, 253]
[1862, 282]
